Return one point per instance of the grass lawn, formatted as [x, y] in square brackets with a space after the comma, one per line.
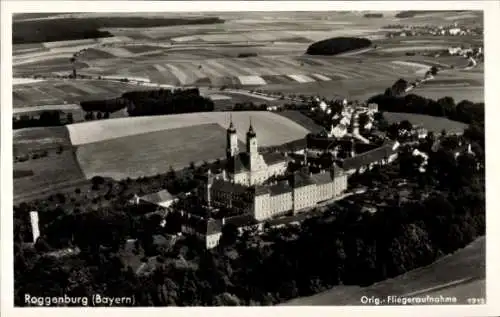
[435, 124]
[52, 173]
[152, 153]
[301, 119]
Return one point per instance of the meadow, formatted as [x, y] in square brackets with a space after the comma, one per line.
[53, 173]
[434, 124]
[152, 153]
[272, 129]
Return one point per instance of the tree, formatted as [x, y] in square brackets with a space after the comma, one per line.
[434, 70]
[229, 235]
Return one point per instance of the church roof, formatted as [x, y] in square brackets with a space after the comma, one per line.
[300, 179]
[225, 186]
[279, 188]
[158, 197]
[368, 157]
[241, 161]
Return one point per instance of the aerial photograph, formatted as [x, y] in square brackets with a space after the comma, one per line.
[258, 158]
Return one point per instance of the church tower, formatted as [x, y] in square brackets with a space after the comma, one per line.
[252, 148]
[232, 140]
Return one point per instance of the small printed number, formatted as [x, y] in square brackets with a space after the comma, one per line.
[476, 301]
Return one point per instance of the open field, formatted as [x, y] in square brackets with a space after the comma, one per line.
[458, 91]
[59, 92]
[206, 55]
[51, 173]
[272, 129]
[33, 139]
[466, 267]
[152, 153]
[301, 119]
[434, 124]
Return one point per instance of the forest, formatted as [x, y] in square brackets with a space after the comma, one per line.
[68, 29]
[337, 45]
[153, 102]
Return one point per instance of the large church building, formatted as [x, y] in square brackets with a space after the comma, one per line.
[248, 182]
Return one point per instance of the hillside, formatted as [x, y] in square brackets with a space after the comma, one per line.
[453, 273]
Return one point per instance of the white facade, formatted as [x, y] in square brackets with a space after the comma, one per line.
[35, 229]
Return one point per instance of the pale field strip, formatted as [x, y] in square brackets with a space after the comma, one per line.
[414, 48]
[73, 43]
[71, 49]
[301, 78]
[27, 51]
[117, 51]
[241, 67]
[221, 68]
[46, 108]
[180, 75]
[384, 69]
[23, 81]
[192, 68]
[127, 76]
[216, 97]
[209, 70]
[188, 38]
[145, 54]
[114, 39]
[266, 68]
[421, 69]
[39, 57]
[251, 80]
[231, 38]
[345, 71]
[160, 68]
[270, 127]
[462, 16]
[92, 89]
[249, 94]
[158, 85]
[321, 77]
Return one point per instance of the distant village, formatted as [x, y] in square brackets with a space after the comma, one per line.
[442, 30]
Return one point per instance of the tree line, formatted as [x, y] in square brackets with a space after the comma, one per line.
[153, 102]
[465, 111]
[47, 118]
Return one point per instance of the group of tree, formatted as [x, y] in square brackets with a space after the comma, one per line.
[162, 101]
[465, 111]
[66, 29]
[106, 105]
[337, 45]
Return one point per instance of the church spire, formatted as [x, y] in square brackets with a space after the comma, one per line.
[231, 125]
[251, 131]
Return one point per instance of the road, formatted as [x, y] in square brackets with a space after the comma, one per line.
[461, 274]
